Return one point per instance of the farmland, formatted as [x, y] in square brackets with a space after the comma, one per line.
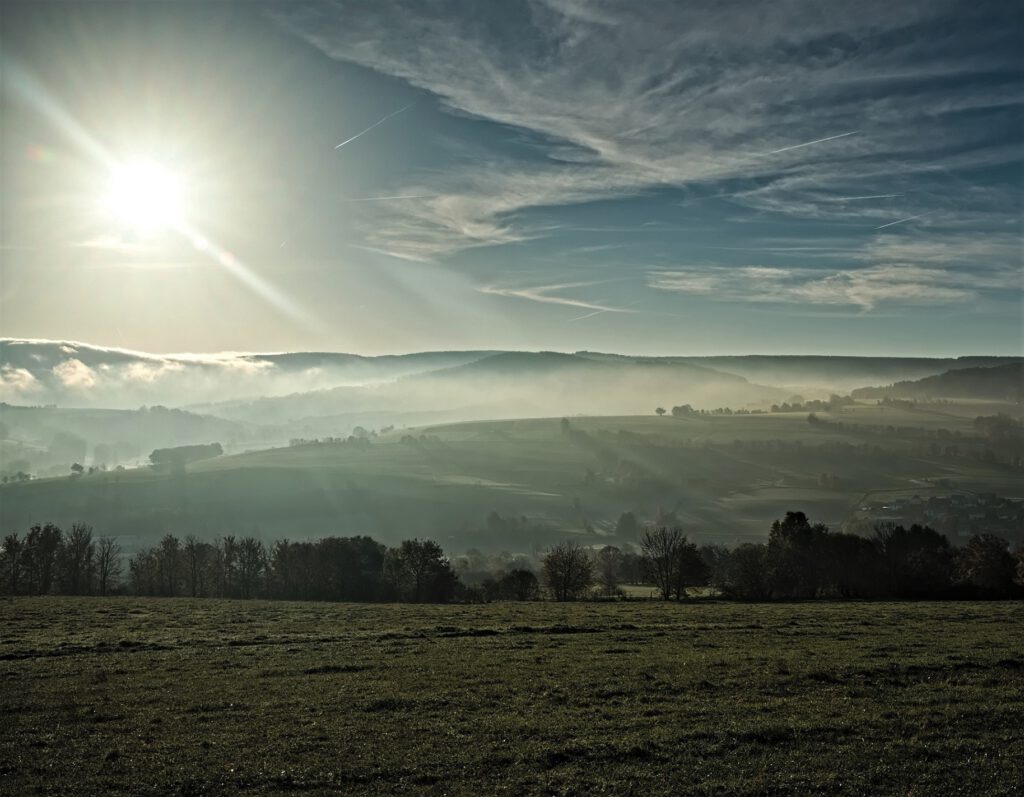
[725, 478]
[135, 696]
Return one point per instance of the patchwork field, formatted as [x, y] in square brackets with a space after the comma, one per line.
[132, 696]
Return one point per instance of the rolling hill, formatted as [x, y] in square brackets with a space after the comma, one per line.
[997, 383]
[515, 484]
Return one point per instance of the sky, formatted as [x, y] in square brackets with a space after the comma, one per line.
[383, 177]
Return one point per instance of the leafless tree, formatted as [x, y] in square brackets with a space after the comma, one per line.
[108, 563]
[568, 571]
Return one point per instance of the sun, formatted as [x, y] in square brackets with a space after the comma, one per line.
[145, 196]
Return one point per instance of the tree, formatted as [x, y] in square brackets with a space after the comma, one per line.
[108, 563]
[419, 571]
[168, 557]
[225, 557]
[39, 557]
[10, 558]
[660, 411]
[913, 563]
[661, 549]
[519, 584]
[175, 459]
[197, 556]
[690, 569]
[609, 561]
[746, 573]
[251, 562]
[76, 560]
[568, 571]
[796, 556]
[144, 568]
[987, 564]
[76, 470]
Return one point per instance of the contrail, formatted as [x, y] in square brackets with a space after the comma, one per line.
[908, 218]
[378, 122]
[605, 310]
[589, 315]
[872, 196]
[816, 141]
[381, 198]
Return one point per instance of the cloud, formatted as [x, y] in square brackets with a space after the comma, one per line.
[620, 98]
[75, 374]
[16, 382]
[866, 288]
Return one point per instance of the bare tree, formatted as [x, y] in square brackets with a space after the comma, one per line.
[661, 553]
[76, 560]
[252, 559]
[197, 558]
[108, 563]
[169, 563]
[568, 571]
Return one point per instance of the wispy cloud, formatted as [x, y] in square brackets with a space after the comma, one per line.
[626, 98]
[866, 288]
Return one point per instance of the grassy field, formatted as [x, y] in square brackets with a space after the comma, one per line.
[130, 696]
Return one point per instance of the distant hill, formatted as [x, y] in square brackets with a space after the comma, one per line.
[328, 393]
[998, 383]
[42, 440]
[841, 374]
[521, 483]
[506, 385]
[73, 374]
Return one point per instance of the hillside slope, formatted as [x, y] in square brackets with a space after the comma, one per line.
[515, 484]
[998, 383]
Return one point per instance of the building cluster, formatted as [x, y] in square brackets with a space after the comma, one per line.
[958, 515]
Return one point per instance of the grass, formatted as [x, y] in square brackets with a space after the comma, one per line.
[131, 696]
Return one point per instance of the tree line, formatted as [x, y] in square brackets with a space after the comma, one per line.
[48, 560]
[800, 561]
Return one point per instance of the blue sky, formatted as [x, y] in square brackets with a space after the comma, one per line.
[692, 178]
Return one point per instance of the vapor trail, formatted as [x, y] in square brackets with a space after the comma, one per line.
[589, 315]
[381, 198]
[622, 309]
[378, 122]
[908, 218]
[816, 141]
[871, 196]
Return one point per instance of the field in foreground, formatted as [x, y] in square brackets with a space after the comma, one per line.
[137, 696]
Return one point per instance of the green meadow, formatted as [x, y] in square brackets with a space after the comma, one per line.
[177, 696]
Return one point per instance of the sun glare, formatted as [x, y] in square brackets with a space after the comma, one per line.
[145, 196]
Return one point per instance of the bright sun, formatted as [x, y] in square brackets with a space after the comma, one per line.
[145, 196]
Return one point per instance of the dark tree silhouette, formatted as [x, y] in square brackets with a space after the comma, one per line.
[76, 560]
[986, 564]
[519, 585]
[419, 571]
[10, 559]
